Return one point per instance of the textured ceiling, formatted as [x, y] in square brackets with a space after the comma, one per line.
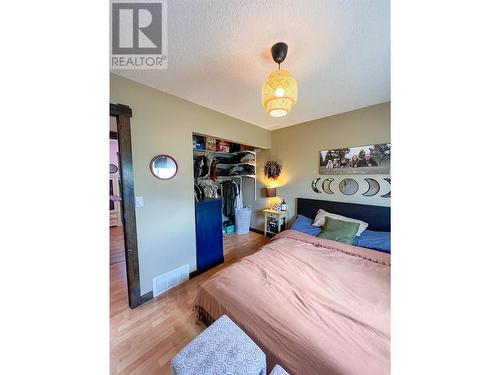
[219, 55]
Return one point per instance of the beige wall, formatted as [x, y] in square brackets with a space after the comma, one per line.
[163, 124]
[297, 149]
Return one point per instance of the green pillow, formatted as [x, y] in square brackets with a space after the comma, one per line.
[338, 230]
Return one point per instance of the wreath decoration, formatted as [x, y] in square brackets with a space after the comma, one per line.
[272, 170]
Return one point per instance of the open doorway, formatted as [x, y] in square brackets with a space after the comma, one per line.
[118, 293]
[124, 259]
[117, 241]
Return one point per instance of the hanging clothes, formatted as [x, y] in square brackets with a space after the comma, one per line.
[213, 170]
[230, 192]
[198, 193]
[202, 165]
[209, 188]
[239, 200]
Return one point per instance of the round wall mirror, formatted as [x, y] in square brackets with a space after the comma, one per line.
[163, 167]
[348, 186]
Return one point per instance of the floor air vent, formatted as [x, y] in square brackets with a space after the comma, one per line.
[170, 279]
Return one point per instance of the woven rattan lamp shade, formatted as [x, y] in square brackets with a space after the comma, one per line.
[279, 93]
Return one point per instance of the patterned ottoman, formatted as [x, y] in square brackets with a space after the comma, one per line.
[278, 370]
[223, 348]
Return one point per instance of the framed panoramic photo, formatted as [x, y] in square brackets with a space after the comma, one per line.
[370, 159]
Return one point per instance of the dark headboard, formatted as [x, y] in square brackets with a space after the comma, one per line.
[378, 218]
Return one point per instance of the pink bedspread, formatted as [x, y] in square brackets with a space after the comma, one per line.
[314, 306]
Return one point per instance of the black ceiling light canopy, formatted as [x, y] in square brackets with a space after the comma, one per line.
[279, 51]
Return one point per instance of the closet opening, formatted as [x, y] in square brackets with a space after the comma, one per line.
[224, 192]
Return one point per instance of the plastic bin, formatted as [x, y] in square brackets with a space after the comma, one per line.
[243, 217]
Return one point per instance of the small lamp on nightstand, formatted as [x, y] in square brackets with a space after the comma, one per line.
[270, 192]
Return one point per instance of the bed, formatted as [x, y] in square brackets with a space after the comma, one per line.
[313, 305]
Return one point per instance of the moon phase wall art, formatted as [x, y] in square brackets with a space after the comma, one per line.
[387, 195]
[349, 186]
[326, 185]
[314, 185]
[373, 187]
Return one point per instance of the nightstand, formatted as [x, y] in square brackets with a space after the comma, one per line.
[279, 216]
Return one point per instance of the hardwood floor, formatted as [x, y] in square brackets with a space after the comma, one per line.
[116, 245]
[144, 340]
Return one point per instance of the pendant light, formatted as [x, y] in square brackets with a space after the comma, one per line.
[279, 93]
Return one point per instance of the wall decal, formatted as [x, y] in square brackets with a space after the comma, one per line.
[348, 186]
[387, 195]
[373, 187]
[314, 187]
[327, 185]
[370, 159]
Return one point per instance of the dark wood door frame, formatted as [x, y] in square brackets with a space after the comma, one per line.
[123, 114]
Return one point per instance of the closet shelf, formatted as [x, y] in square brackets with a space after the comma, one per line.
[226, 177]
[233, 164]
[223, 154]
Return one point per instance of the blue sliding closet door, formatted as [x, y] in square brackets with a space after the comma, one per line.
[209, 245]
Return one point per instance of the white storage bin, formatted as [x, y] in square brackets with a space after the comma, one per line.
[243, 217]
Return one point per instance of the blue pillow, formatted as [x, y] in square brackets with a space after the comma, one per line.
[374, 240]
[304, 224]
